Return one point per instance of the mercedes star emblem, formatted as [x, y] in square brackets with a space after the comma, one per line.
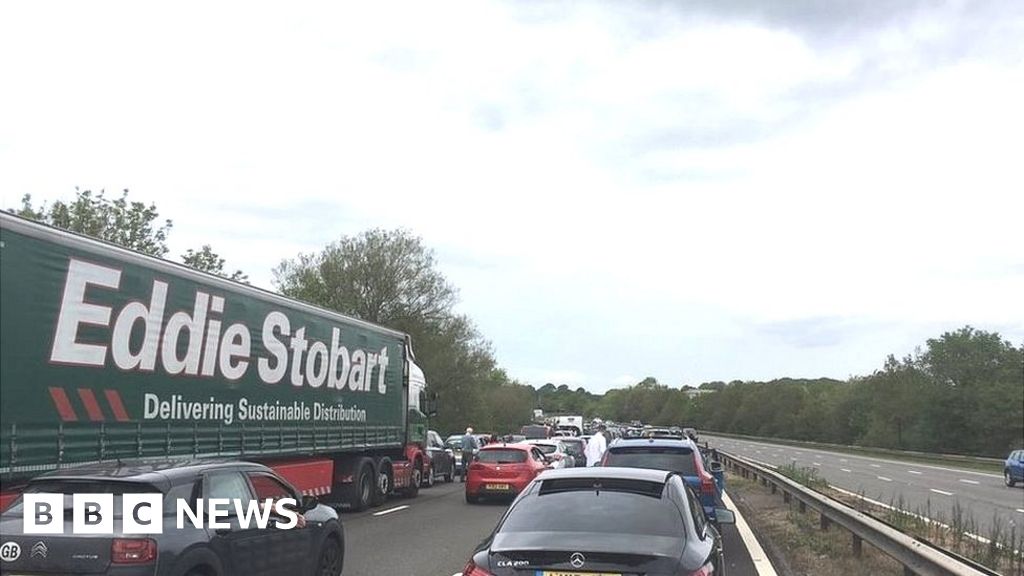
[577, 560]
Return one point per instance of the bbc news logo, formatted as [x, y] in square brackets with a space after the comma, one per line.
[43, 513]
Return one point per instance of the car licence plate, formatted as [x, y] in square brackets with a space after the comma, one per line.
[498, 487]
[560, 573]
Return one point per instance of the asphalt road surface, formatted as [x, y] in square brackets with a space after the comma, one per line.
[435, 534]
[922, 487]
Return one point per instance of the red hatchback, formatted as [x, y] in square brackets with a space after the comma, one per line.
[503, 470]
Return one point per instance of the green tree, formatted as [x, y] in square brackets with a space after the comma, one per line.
[390, 278]
[207, 260]
[130, 224]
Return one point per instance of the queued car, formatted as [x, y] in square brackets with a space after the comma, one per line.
[556, 451]
[577, 448]
[1013, 469]
[442, 460]
[603, 521]
[503, 470]
[681, 456]
[315, 546]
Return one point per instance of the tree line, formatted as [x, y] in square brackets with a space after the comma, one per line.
[962, 393]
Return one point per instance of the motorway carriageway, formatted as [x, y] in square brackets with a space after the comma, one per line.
[436, 533]
[982, 495]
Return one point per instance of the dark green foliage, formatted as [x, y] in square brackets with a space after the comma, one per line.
[209, 261]
[130, 224]
[964, 394]
[390, 278]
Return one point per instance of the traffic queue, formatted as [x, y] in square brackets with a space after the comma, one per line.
[644, 500]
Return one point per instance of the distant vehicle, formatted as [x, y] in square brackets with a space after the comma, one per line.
[690, 433]
[573, 424]
[603, 521]
[663, 433]
[441, 460]
[314, 546]
[1013, 471]
[576, 447]
[675, 455]
[536, 431]
[556, 452]
[503, 470]
[454, 443]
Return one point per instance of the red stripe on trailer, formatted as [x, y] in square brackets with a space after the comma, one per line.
[60, 400]
[114, 399]
[91, 405]
[306, 475]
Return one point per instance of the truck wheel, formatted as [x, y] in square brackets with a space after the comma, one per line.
[359, 494]
[385, 484]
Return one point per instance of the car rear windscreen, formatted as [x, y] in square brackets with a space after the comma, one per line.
[679, 460]
[71, 487]
[501, 456]
[595, 511]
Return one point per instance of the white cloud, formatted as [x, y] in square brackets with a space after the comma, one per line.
[615, 189]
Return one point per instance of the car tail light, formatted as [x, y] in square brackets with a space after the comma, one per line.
[705, 570]
[472, 569]
[707, 485]
[132, 550]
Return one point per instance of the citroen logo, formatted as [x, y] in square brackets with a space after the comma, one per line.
[577, 560]
[39, 549]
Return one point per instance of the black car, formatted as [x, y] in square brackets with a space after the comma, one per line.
[315, 547]
[560, 523]
[442, 460]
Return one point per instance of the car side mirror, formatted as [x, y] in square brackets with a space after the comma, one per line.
[309, 502]
[725, 516]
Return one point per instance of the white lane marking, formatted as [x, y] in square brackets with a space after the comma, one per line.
[390, 510]
[913, 472]
[1021, 510]
[899, 463]
[874, 465]
[969, 481]
[817, 463]
[845, 469]
[943, 492]
[761, 562]
[884, 478]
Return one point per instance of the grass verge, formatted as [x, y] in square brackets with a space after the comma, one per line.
[999, 549]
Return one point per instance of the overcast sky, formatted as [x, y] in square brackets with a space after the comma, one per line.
[693, 191]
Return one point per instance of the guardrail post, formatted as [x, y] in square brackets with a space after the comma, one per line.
[785, 497]
[825, 522]
[775, 487]
[803, 507]
[907, 571]
[858, 546]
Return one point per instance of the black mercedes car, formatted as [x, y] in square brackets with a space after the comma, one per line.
[315, 546]
[560, 524]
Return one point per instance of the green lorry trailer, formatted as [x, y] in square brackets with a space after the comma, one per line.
[110, 354]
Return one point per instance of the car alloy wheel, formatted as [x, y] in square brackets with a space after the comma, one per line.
[330, 559]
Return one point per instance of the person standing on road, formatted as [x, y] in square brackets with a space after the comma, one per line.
[469, 447]
[596, 446]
